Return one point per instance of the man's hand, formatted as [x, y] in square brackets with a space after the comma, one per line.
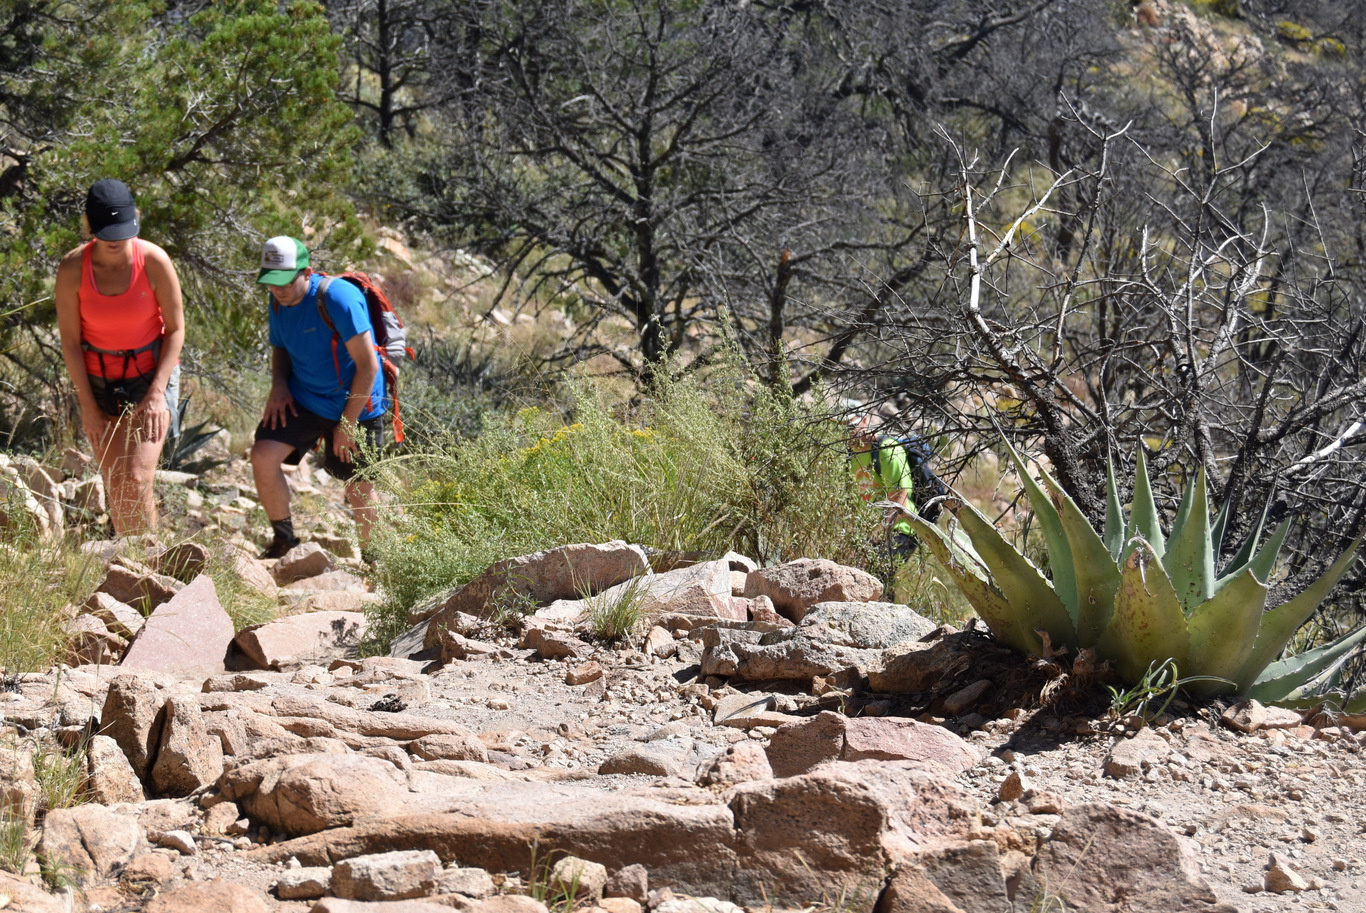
[344, 440]
[279, 405]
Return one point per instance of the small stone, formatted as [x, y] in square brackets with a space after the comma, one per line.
[579, 877]
[218, 894]
[308, 559]
[1012, 788]
[740, 710]
[188, 634]
[583, 674]
[304, 883]
[1247, 716]
[619, 905]
[740, 763]
[632, 882]
[1281, 877]
[1043, 803]
[964, 698]
[180, 841]
[149, 868]
[110, 779]
[397, 875]
[659, 642]
[218, 819]
[467, 881]
[1130, 757]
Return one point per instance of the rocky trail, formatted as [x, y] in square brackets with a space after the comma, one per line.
[769, 738]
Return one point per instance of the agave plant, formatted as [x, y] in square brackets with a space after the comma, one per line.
[1140, 599]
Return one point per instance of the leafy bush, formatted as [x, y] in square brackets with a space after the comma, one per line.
[691, 468]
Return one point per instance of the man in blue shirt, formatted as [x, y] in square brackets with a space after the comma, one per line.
[325, 385]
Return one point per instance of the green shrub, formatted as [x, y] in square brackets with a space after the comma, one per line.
[692, 467]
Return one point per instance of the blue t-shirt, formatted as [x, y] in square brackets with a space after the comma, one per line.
[316, 382]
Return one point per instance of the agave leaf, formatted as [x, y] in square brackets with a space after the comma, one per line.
[962, 545]
[1282, 621]
[1261, 563]
[1217, 529]
[1223, 629]
[1249, 546]
[1115, 535]
[1190, 553]
[1035, 603]
[1183, 511]
[1055, 539]
[1097, 574]
[1357, 704]
[1287, 678]
[1143, 515]
[972, 580]
[1148, 625]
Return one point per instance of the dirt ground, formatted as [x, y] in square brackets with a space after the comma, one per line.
[1237, 797]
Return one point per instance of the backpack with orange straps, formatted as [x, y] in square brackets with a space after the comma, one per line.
[386, 328]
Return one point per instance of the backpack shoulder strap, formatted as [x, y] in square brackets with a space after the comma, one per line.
[327, 319]
[878, 444]
[322, 304]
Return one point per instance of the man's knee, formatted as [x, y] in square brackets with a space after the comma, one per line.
[360, 494]
[266, 455]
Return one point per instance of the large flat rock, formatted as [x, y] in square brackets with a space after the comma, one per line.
[567, 572]
[187, 635]
[836, 829]
[311, 637]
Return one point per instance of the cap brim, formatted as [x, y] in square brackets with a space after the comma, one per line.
[119, 231]
[277, 276]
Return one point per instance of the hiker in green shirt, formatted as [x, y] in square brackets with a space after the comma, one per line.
[883, 473]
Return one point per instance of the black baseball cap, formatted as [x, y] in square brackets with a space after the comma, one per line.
[112, 213]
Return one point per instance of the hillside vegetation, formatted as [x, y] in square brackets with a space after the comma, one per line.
[646, 245]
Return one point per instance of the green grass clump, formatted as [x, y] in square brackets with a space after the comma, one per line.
[921, 583]
[244, 603]
[616, 615]
[38, 580]
[691, 467]
[18, 837]
[60, 775]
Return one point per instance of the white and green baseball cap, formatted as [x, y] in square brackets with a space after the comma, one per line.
[281, 260]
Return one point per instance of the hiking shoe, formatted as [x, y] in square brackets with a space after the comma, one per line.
[278, 548]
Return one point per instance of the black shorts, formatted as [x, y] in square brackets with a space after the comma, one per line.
[115, 397]
[306, 429]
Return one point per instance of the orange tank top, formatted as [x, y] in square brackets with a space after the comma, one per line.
[118, 331]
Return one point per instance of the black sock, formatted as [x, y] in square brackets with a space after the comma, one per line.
[284, 529]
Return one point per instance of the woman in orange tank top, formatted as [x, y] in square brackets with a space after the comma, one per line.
[122, 325]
